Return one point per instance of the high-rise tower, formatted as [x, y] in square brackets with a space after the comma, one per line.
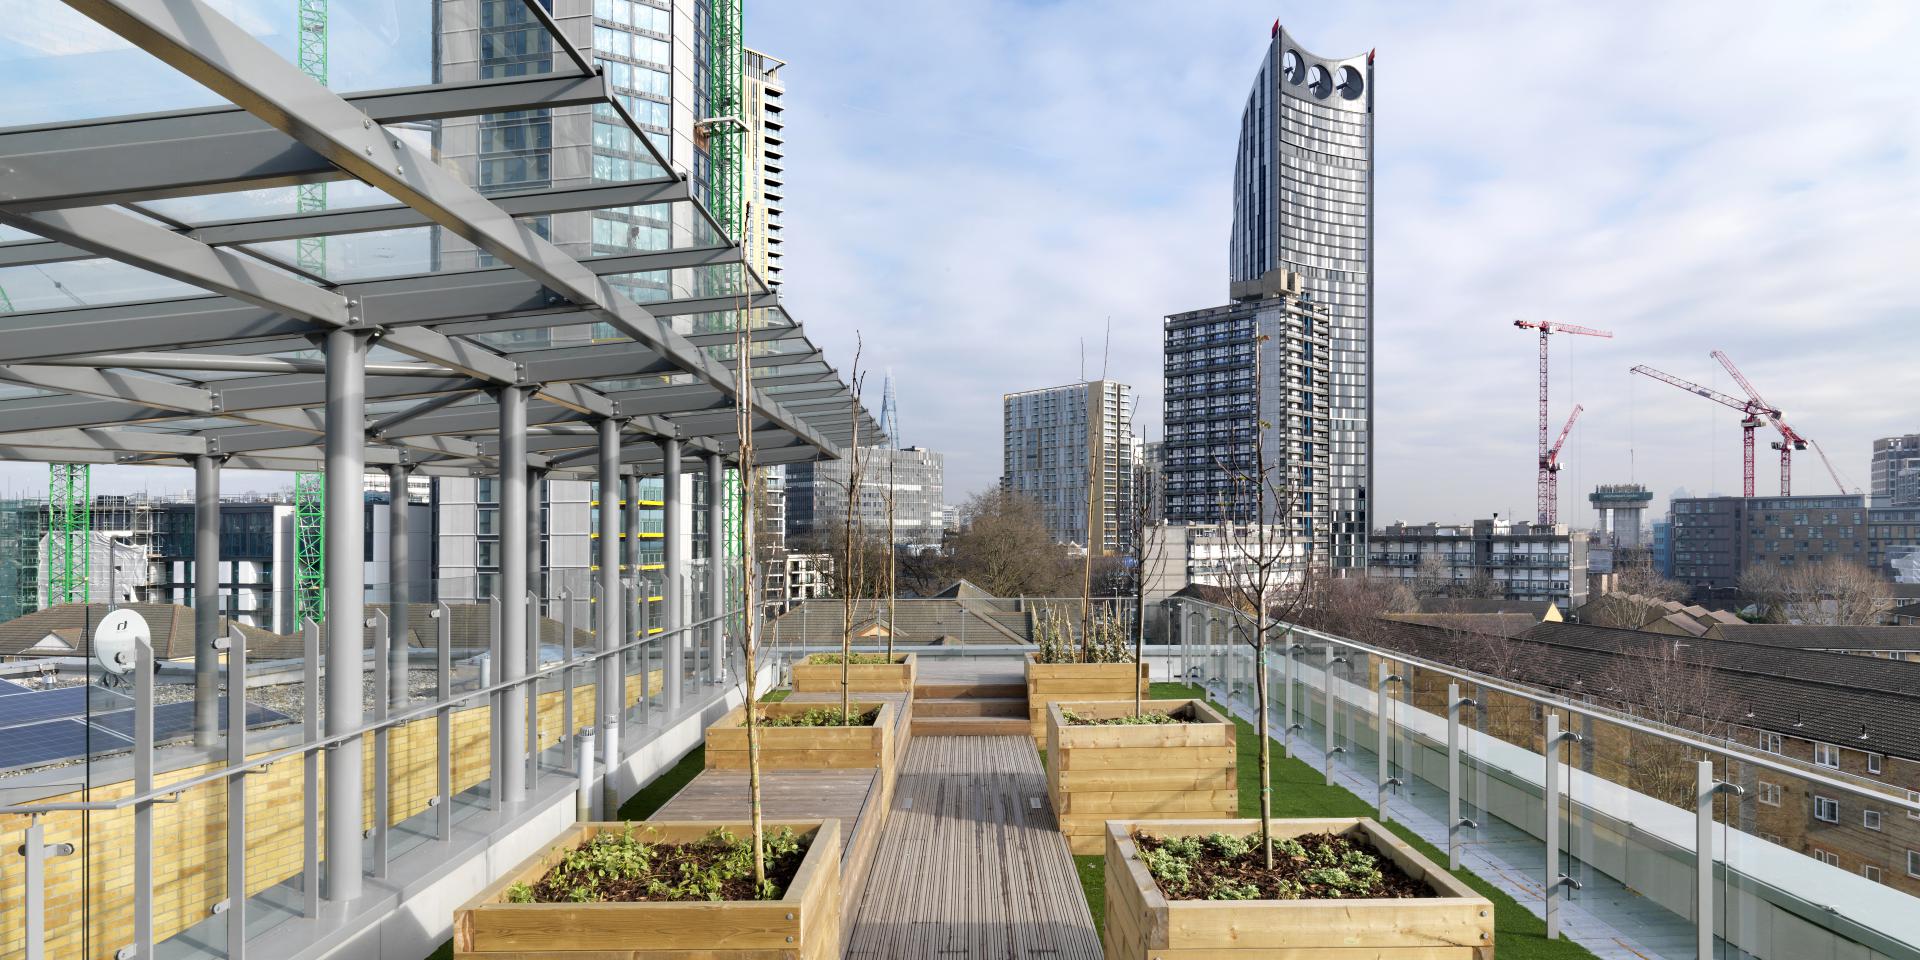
[1300, 320]
[1303, 203]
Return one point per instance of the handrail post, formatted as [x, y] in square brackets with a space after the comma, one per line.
[1557, 882]
[443, 721]
[143, 810]
[532, 692]
[1706, 787]
[36, 850]
[1287, 726]
[1454, 820]
[382, 645]
[566, 681]
[310, 772]
[496, 706]
[1383, 750]
[1328, 716]
[237, 792]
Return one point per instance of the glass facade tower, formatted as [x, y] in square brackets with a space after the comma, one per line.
[1303, 204]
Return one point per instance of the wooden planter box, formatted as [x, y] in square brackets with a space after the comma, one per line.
[802, 925]
[1181, 771]
[1454, 924]
[895, 677]
[805, 748]
[1048, 682]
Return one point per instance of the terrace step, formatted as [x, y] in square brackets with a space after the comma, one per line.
[970, 707]
[963, 691]
[970, 726]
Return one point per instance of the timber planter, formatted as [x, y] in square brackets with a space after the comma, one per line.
[1050, 682]
[1454, 923]
[803, 924]
[895, 677]
[1099, 772]
[806, 748]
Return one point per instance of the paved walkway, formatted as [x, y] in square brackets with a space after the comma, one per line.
[970, 863]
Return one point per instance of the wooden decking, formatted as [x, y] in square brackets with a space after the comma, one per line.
[970, 864]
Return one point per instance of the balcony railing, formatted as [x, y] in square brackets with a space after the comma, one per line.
[1663, 842]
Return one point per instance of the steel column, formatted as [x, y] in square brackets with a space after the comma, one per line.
[206, 600]
[346, 603]
[512, 662]
[674, 575]
[716, 564]
[610, 696]
[400, 587]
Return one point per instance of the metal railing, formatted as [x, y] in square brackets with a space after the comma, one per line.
[1569, 775]
[692, 656]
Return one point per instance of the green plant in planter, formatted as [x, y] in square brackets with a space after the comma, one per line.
[858, 658]
[623, 868]
[828, 716]
[1130, 720]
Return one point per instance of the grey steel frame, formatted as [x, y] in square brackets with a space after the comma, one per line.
[125, 392]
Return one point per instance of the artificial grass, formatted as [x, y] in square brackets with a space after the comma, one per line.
[775, 695]
[1301, 791]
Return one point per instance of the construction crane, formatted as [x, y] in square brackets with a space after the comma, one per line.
[1547, 506]
[69, 563]
[310, 255]
[1553, 467]
[1790, 439]
[1754, 414]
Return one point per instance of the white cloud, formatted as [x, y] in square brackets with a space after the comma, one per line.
[978, 187]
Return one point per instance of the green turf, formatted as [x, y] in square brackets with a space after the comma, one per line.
[776, 695]
[1301, 791]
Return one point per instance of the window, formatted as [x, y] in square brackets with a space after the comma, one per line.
[1873, 763]
[1826, 755]
[1830, 859]
[1870, 819]
[1913, 863]
[1826, 809]
[1913, 796]
[1770, 742]
[1769, 793]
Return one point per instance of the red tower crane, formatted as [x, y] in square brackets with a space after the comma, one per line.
[1547, 505]
[1790, 439]
[1553, 467]
[1757, 414]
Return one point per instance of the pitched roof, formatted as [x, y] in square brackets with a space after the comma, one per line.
[1806, 636]
[172, 628]
[1814, 695]
[1537, 608]
[1488, 624]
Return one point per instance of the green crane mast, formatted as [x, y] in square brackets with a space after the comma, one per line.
[727, 150]
[69, 567]
[310, 255]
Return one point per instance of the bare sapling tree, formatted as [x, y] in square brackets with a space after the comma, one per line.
[1144, 551]
[749, 626]
[853, 574]
[1268, 570]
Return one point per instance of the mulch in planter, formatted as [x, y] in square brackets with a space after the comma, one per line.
[818, 717]
[1320, 866]
[625, 868]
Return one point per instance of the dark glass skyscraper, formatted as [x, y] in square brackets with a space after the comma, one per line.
[1299, 271]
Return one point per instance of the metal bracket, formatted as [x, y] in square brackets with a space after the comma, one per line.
[1569, 882]
[1396, 782]
[1733, 788]
[1468, 822]
[1466, 702]
[51, 849]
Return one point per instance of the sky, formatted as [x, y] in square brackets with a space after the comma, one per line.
[978, 190]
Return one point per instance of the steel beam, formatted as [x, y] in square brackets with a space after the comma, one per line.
[111, 385]
[201, 43]
[147, 245]
[109, 441]
[346, 605]
[224, 149]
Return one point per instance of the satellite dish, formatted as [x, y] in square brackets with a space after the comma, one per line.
[116, 641]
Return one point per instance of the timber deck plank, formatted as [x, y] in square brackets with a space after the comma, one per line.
[969, 865]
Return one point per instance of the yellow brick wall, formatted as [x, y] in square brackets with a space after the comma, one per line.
[189, 860]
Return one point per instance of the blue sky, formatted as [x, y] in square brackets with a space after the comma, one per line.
[977, 187]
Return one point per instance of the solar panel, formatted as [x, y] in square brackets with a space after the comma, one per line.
[52, 741]
[174, 720]
[8, 686]
[35, 706]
